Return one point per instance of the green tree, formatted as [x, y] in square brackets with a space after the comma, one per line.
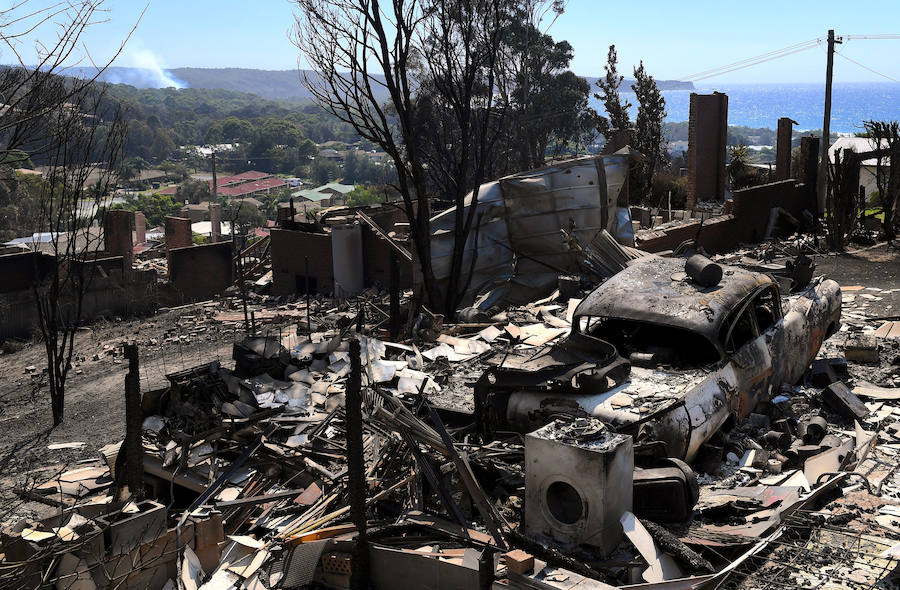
[163, 145]
[243, 217]
[548, 104]
[177, 171]
[616, 119]
[154, 206]
[323, 170]
[647, 132]
[193, 191]
[360, 169]
[16, 159]
[20, 202]
[739, 171]
[366, 195]
[132, 168]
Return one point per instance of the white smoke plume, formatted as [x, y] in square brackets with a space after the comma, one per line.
[144, 70]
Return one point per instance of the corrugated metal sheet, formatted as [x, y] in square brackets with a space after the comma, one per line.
[521, 218]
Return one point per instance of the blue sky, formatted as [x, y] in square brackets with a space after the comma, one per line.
[674, 38]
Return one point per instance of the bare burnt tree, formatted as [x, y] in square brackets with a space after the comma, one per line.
[371, 64]
[87, 140]
[841, 197]
[71, 127]
[31, 92]
[460, 49]
[886, 143]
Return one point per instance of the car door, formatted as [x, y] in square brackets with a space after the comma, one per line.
[746, 342]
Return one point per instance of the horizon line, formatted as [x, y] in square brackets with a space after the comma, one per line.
[701, 83]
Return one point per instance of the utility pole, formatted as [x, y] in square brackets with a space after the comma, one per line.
[826, 124]
[215, 187]
[213, 201]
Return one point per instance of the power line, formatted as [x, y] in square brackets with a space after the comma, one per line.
[755, 63]
[865, 67]
[750, 61]
[785, 51]
[851, 37]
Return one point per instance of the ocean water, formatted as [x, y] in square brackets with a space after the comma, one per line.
[760, 105]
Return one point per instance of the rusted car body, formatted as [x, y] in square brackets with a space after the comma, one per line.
[657, 356]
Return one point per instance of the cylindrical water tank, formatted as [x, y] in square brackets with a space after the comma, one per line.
[347, 257]
[703, 271]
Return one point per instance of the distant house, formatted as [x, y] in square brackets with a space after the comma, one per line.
[246, 189]
[239, 186]
[333, 155]
[196, 212]
[154, 175]
[867, 166]
[204, 228]
[302, 197]
[247, 184]
[326, 195]
[89, 239]
[337, 190]
[250, 202]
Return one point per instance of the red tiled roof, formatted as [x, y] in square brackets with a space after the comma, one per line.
[250, 175]
[248, 188]
[245, 183]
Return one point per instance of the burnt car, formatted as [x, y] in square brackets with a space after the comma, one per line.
[663, 358]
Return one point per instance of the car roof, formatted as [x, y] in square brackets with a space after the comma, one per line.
[656, 290]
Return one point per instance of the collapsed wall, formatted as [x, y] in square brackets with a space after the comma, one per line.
[516, 248]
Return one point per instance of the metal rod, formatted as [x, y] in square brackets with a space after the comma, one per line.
[306, 282]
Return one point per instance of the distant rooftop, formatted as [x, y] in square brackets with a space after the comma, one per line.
[336, 187]
[858, 145]
[312, 195]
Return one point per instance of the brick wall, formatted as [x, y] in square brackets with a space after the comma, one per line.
[718, 235]
[194, 214]
[783, 149]
[178, 232]
[377, 261]
[110, 293]
[117, 236]
[707, 135]
[753, 206]
[200, 272]
[747, 224]
[289, 250]
[215, 222]
[19, 271]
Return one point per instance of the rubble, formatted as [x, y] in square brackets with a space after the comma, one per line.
[544, 445]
